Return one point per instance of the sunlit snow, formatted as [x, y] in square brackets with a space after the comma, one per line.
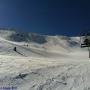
[43, 62]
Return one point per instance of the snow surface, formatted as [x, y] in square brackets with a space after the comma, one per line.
[43, 62]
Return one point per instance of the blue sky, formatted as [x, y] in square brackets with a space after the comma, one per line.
[67, 17]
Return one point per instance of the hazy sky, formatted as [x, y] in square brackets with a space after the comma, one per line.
[46, 16]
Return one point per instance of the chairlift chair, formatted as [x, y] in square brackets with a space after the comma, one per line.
[85, 40]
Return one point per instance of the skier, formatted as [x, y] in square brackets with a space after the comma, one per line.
[15, 49]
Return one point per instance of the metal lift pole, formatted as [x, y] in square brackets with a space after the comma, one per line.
[89, 51]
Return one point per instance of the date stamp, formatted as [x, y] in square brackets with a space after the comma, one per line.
[8, 88]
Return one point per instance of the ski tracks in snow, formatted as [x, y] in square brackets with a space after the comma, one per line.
[67, 77]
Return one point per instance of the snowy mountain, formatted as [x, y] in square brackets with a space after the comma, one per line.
[42, 62]
[38, 44]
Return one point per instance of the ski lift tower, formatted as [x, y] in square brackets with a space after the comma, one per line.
[85, 40]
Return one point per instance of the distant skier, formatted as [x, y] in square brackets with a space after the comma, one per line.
[27, 45]
[15, 49]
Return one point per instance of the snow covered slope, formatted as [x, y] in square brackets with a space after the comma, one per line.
[42, 62]
[34, 44]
